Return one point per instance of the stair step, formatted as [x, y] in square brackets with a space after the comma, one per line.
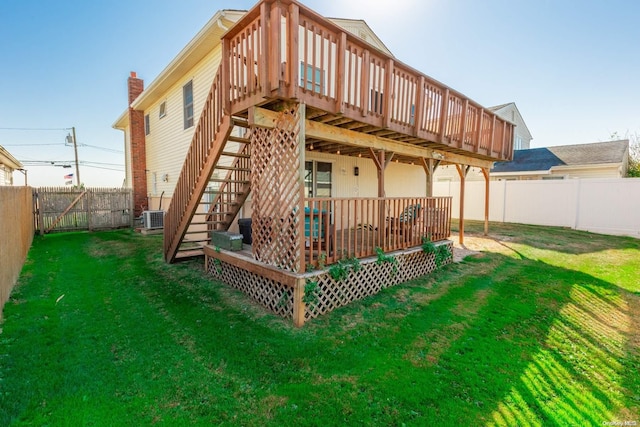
[240, 122]
[208, 222]
[195, 241]
[213, 213]
[186, 254]
[231, 168]
[231, 154]
[232, 181]
[238, 139]
[225, 192]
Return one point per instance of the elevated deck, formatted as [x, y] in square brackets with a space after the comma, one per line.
[281, 50]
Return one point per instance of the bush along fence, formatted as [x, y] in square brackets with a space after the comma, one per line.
[77, 209]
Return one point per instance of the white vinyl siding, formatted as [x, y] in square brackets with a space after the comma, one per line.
[397, 177]
[167, 145]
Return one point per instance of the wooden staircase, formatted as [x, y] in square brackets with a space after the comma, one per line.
[214, 181]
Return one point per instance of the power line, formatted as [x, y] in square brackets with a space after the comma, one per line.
[32, 145]
[102, 148]
[85, 162]
[35, 129]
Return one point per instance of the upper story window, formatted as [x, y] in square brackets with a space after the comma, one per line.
[312, 79]
[163, 110]
[187, 102]
[147, 125]
[518, 144]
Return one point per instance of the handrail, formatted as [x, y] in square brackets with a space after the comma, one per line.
[336, 228]
[283, 49]
[189, 182]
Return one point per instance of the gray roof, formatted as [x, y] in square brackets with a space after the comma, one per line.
[499, 107]
[539, 159]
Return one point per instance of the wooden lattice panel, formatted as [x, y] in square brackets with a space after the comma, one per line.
[267, 292]
[277, 193]
[369, 280]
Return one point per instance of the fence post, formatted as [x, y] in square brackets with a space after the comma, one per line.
[577, 217]
[89, 193]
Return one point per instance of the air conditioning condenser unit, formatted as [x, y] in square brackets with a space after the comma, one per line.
[152, 219]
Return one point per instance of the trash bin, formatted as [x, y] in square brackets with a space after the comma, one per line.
[244, 224]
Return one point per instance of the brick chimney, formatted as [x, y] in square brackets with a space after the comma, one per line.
[135, 87]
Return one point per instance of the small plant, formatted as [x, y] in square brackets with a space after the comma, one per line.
[311, 291]
[440, 253]
[428, 247]
[382, 258]
[284, 300]
[322, 261]
[218, 265]
[443, 253]
[340, 270]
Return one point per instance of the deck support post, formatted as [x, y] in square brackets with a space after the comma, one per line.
[462, 171]
[485, 172]
[381, 163]
[298, 304]
[429, 166]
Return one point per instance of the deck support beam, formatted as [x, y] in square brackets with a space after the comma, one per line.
[429, 166]
[262, 117]
[462, 171]
[381, 161]
[485, 172]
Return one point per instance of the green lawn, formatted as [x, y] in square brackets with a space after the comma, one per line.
[542, 328]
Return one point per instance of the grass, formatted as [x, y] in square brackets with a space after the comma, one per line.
[542, 328]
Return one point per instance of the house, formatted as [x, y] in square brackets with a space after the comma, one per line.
[595, 160]
[8, 164]
[522, 138]
[309, 128]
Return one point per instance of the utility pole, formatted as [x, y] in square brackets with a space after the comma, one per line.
[75, 149]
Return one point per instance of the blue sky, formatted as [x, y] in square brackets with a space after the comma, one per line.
[571, 67]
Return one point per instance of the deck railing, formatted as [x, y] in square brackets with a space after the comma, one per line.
[338, 228]
[281, 49]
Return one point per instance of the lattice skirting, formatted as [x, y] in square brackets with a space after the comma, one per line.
[370, 279]
[328, 294]
[275, 296]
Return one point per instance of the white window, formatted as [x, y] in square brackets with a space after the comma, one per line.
[317, 179]
[187, 102]
[313, 77]
[518, 144]
[163, 110]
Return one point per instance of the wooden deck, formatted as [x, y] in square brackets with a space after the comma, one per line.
[298, 82]
[283, 50]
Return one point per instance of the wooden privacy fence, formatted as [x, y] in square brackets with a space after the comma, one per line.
[77, 209]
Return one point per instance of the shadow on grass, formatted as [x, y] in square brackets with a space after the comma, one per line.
[523, 342]
[494, 340]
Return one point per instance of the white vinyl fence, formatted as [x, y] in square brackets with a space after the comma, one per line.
[608, 206]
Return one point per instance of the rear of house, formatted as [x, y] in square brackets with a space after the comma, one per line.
[321, 138]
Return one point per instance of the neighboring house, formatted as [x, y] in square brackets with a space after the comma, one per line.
[8, 164]
[522, 138]
[596, 160]
[311, 129]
